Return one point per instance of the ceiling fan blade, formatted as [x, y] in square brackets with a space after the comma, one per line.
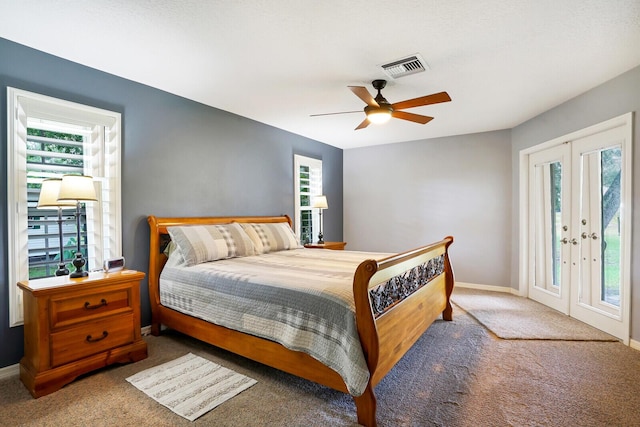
[362, 93]
[363, 125]
[416, 118]
[331, 114]
[435, 98]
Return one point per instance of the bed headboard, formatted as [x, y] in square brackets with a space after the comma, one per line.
[159, 238]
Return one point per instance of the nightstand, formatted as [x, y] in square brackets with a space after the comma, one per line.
[74, 326]
[337, 246]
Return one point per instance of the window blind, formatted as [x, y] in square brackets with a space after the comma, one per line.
[308, 184]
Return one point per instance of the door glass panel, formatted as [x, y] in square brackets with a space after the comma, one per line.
[548, 226]
[611, 167]
[555, 170]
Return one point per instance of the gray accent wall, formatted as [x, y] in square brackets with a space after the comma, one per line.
[180, 158]
[401, 196]
[611, 99]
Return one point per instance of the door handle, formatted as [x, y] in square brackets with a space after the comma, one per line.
[593, 236]
[565, 241]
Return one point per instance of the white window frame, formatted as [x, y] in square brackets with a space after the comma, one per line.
[315, 169]
[102, 162]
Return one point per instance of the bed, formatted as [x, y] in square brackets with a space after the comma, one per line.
[393, 298]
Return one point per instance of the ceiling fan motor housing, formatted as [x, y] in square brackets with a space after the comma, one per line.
[379, 84]
[384, 107]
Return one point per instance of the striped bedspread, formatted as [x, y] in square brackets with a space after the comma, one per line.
[300, 298]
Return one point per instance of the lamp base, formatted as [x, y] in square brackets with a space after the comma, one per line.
[62, 269]
[78, 262]
[320, 239]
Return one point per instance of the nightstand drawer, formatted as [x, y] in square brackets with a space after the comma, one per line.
[91, 338]
[72, 310]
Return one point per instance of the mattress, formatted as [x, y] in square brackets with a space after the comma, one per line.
[300, 298]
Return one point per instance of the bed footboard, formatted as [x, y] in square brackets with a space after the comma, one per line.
[396, 300]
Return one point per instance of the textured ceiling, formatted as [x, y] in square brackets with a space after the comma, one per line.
[279, 61]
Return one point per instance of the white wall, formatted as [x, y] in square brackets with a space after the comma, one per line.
[401, 196]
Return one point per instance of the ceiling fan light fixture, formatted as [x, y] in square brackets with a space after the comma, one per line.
[378, 115]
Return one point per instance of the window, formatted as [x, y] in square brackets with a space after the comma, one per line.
[48, 138]
[308, 184]
[51, 153]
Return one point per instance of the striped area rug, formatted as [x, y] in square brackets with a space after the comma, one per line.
[190, 386]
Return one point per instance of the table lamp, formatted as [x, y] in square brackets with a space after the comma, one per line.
[77, 188]
[320, 202]
[49, 199]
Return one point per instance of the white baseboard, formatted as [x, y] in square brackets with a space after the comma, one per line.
[492, 288]
[634, 344]
[10, 371]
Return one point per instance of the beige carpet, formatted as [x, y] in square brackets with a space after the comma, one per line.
[457, 375]
[517, 318]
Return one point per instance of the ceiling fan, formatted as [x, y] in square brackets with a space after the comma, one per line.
[379, 110]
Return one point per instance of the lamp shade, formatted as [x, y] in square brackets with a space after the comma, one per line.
[49, 195]
[320, 202]
[77, 188]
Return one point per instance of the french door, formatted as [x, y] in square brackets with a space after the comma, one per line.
[549, 222]
[578, 226]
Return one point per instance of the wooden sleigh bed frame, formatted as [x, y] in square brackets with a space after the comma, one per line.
[386, 333]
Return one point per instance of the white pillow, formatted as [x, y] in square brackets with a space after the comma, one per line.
[203, 243]
[271, 236]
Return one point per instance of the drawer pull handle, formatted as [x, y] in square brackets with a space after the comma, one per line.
[88, 305]
[91, 339]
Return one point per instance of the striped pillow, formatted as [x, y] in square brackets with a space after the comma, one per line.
[202, 243]
[271, 237]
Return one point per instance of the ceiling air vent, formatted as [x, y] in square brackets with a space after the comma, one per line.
[404, 67]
